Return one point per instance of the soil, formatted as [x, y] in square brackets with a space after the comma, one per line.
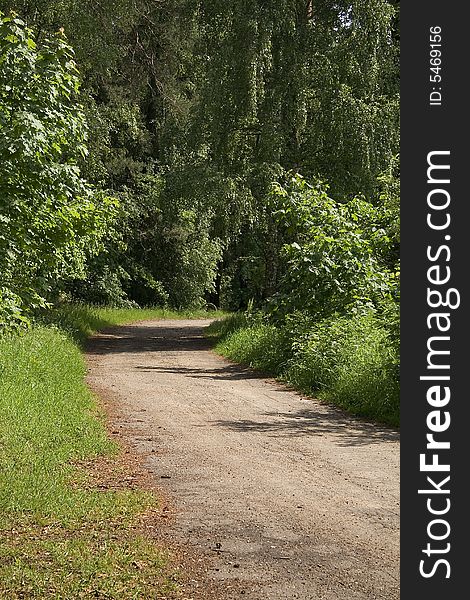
[273, 496]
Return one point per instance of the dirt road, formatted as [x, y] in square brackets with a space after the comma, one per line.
[291, 498]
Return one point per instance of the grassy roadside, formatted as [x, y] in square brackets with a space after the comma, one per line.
[63, 536]
[348, 361]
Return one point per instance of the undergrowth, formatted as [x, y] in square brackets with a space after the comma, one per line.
[351, 361]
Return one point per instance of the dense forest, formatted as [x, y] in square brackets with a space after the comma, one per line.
[230, 154]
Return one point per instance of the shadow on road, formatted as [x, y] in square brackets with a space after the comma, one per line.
[227, 372]
[134, 340]
[315, 422]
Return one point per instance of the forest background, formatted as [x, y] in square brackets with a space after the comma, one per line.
[230, 154]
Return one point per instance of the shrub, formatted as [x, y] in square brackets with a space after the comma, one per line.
[336, 255]
[50, 220]
[352, 362]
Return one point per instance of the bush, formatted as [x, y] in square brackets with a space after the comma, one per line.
[337, 255]
[50, 220]
[262, 346]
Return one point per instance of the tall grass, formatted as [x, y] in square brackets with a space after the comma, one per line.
[349, 361]
[263, 347]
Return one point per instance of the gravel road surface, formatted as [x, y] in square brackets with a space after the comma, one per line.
[287, 497]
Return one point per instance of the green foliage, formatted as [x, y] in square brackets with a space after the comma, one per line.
[351, 361]
[166, 254]
[195, 108]
[307, 86]
[389, 199]
[338, 254]
[12, 316]
[181, 229]
[51, 220]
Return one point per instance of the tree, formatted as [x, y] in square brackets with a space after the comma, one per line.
[201, 106]
[51, 219]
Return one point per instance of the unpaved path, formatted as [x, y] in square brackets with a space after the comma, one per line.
[292, 498]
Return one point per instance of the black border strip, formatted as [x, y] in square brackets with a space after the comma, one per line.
[441, 127]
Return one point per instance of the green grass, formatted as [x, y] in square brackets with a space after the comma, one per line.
[85, 565]
[260, 346]
[352, 363]
[48, 420]
[49, 424]
[348, 361]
